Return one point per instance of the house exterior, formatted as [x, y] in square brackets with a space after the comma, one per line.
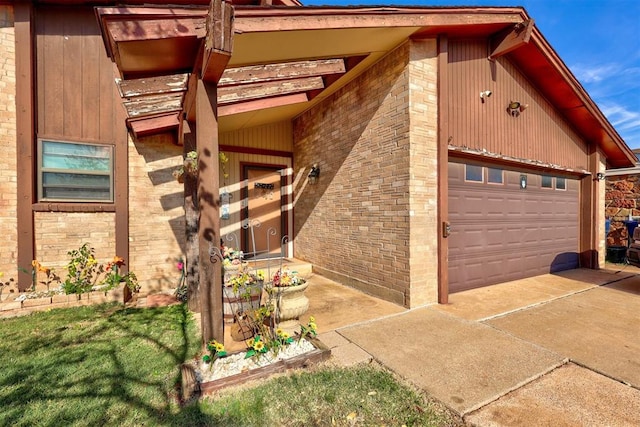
[454, 146]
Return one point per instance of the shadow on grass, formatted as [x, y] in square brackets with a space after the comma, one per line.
[100, 365]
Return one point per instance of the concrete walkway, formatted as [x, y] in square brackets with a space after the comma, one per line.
[561, 350]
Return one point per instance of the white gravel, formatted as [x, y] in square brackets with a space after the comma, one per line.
[236, 363]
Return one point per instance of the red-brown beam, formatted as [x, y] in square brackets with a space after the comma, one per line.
[252, 91]
[281, 71]
[25, 93]
[278, 101]
[443, 170]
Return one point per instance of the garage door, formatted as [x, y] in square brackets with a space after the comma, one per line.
[508, 224]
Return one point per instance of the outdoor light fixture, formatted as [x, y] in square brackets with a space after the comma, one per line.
[314, 174]
[599, 176]
[515, 108]
[523, 182]
[484, 94]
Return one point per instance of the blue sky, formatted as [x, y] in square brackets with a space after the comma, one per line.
[599, 40]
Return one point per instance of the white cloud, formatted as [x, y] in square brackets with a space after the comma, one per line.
[594, 74]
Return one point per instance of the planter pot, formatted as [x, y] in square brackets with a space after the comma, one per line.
[291, 304]
[232, 270]
[246, 298]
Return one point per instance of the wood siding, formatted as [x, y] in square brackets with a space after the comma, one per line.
[75, 78]
[539, 133]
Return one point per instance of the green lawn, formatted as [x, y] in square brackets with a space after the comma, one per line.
[109, 365]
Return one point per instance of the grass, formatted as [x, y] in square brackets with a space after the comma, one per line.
[110, 365]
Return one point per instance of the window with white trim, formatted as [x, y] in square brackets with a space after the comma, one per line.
[473, 173]
[561, 183]
[75, 172]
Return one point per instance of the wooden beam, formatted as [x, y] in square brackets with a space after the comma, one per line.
[261, 104]
[152, 85]
[250, 20]
[518, 36]
[150, 125]
[155, 29]
[121, 186]
[253, 91]
[25, 138]
[281, 71]
[146, 105]
[209, 212]
[219, 40]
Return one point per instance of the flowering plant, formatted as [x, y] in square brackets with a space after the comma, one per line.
[189, 166]
[284, 277]
[216, 350]
[231, 256]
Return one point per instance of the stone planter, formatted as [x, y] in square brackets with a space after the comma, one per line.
[291, 304]
[36, 302]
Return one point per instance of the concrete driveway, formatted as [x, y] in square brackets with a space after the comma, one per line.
[561, 350]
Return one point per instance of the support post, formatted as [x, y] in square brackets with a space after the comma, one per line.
[209, 207]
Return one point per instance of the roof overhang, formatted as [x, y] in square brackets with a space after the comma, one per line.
[166, 44]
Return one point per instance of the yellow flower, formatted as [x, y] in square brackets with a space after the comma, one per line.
[219, 346]
[313, 326]
[285, 335]
[312, 319]
[279, 331]
[258, 346]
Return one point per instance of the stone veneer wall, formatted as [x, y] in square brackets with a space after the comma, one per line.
[156, 212]
[622, 199]
[368, 222]
[8, 154]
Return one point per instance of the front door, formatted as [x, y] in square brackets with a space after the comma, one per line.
[263, 212]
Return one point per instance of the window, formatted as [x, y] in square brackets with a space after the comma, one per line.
[561, 184]
[473, 173]
[547, 181]
[75, 172]
[494, 176]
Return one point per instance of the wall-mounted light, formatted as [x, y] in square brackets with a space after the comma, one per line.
[515, 108]
[523, 182]
[599, 176]
[314, 174]
[484, 95]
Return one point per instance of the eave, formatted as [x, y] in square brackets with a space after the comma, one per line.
[358, 37]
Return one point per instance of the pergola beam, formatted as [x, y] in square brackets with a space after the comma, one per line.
[281, 71]
[249, 92]
[518, 36]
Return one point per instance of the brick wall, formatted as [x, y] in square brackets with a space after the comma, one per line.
[57, 233]
[622, 199]
[355, 223]
[156, 212]
[423, 175]
[8, 187]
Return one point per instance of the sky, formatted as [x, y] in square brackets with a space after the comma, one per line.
[599, 40]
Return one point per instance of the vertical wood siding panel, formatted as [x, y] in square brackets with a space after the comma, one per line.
[75, 77]
[92, 53]
[50, 88]
[539, 133]
[72, 75]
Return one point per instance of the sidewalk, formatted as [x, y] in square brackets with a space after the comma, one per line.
[552, 350]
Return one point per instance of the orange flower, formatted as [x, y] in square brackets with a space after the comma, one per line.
[118, 261]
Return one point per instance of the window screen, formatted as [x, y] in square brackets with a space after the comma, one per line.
[75, 172]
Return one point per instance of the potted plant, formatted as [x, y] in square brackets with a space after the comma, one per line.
[242, 292]
[189, 166]
[288, 288]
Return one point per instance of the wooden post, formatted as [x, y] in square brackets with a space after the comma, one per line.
[25, 128]
[209, 207]
[443, 168]
[217, 52]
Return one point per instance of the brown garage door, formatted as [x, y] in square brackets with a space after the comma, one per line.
[502, 232]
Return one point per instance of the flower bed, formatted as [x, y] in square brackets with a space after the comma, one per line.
[236, 369]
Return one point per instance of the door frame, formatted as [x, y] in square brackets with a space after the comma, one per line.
[245, 167]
